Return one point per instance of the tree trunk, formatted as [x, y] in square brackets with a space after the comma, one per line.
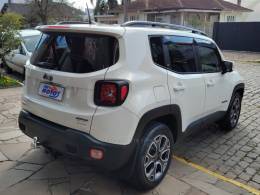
[125, 10]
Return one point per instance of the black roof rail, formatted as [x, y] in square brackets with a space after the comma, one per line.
[162, 25]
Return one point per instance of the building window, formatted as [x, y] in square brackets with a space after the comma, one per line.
[231, 18]
[133, 17]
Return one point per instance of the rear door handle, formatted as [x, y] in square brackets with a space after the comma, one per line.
[179, 88]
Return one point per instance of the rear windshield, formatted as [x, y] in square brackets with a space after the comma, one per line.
[75, 53]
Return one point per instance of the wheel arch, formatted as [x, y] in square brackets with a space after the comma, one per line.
[239, 88]
[169, 115]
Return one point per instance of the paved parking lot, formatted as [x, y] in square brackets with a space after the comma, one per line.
[236, 154]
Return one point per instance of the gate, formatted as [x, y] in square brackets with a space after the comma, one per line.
[238, 36]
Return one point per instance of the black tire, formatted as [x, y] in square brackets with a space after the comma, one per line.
[7, 69]
[23, 75]
[230, 120]
[157, 136]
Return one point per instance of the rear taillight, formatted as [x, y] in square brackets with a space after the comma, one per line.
[111, 92]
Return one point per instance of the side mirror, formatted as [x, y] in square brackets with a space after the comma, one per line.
[227, 66]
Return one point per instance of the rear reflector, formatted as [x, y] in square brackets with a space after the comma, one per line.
[96, 154]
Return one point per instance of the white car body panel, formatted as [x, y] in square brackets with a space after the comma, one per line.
[150, 87]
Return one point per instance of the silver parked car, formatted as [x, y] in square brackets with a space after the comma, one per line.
[17, 58]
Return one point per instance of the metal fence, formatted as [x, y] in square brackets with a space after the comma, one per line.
[238, 36]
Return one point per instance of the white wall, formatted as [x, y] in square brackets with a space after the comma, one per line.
[251, 4]
[239, 17]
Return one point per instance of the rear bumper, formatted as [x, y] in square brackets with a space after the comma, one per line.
[74, 142]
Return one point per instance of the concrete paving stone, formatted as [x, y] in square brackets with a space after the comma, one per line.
[28, 167]
[52, 170]
[252, 155]
[36, 156]
[60, 189]
[201, 176]
[178, 169]
[256, 178]
[222, 149]
[230, 188]
[206, 187]
[15, 151]
[244, 176]
[2, 157]
[214, 156]
[78, 180]
[230, 162]
[195, 191]
[76, 166]
[240, 154]
[255, 165]
[24, 138]
[249, 160]
[246, 149]
[254, 185]
[172, 186]
[131, 191]
[6, 165]
[11, 177]
[100, 184]
[10, 135]
[224, 169]
[29, 188]
[243, 164]
[230, 175]
[250, 171]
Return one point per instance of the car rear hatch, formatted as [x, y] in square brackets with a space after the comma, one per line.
[61, 76]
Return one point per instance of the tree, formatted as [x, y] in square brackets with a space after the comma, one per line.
[10, 23]
[45, 9]
[101, 7]
[112, 4]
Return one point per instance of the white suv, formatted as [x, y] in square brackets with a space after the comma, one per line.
[120, 97]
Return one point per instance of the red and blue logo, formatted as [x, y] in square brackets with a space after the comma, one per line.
[50, 91]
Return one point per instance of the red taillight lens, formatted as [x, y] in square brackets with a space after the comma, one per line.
[124, 92]
[108, 93]
[111, 93]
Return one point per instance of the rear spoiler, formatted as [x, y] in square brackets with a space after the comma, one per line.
[83, 28]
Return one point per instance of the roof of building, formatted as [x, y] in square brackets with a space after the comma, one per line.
[164, 5]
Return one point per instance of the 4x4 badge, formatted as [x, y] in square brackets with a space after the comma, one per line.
[47, 77]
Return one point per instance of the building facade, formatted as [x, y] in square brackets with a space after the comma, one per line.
[200, 14]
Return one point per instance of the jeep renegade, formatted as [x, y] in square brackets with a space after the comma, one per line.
[120, 97]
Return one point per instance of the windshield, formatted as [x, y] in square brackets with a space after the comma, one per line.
[31, 42]
[75, 52]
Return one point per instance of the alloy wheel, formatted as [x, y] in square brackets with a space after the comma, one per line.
[157, 158]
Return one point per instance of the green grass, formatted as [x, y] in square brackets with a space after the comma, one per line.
[6, 82]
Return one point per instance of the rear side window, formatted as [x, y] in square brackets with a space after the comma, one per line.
[181, 54]
[157, 50]
[75, 52]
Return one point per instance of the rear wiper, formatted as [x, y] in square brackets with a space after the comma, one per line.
[47, 65]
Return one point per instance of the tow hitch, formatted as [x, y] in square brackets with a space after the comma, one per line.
[35, 143]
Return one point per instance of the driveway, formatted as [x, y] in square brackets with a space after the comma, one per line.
[236, 155]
